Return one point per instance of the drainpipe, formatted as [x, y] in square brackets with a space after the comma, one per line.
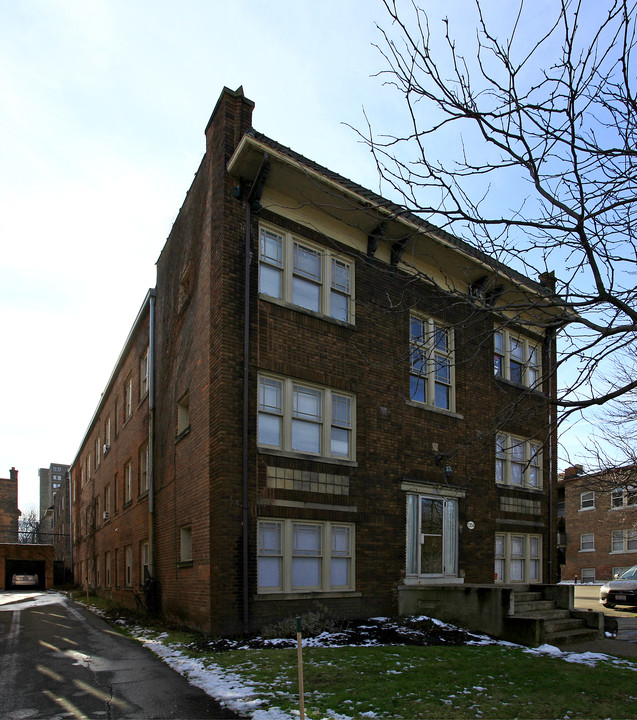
[550, 341]
[252, 204]
[151, 434]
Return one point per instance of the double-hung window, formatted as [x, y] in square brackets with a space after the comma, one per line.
[587, 500]
[624, 541]
[516, 358]
[299, 418]
[431, 371]
[308, 276]
[518, 461]
[303, 556]
[587, 542]
[623, 497]
[518, 558]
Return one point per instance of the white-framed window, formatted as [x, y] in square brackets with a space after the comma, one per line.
[143, 374]
[128, 481]
[587, 542]
[587, 500]
[307, 275]
[98, 451]
[107, 431]
[183, 413]
[619, 570]
[431, 366]
[107, 569]
[107, 500]
[185, 543]
[144, 479]
[518, 558]
[587, 575]
[301, 418]
[516, 358]
[144, 561]
[128, 566]
[624, 541]
[518, 461]
[89, 467]
[128, 398]
[432, 536]
[303, 556]
[623, 497]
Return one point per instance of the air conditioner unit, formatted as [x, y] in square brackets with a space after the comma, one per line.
[106, 449]
[106, 515]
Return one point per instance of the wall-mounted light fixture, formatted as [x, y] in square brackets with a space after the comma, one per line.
[447, 472]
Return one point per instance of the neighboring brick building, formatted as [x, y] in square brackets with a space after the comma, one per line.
[600, 522]
[379, 421]
[9, 513]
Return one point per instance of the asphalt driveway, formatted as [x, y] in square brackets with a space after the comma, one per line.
[60, 661]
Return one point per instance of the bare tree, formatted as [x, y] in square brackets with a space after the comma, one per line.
[28, 527]
[553, 120]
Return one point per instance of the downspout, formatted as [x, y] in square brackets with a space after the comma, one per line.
[252, 204]
[151, 434]
[70, 479]
[550, 342]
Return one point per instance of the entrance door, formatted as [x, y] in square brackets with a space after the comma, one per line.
[432, 532]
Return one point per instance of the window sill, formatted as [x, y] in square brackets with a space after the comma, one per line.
[182, 434]
[305, 456]
[305, 595]
[433, 580]
[518, 488]
[185, 564]
[519, 386]
[305, 311]
[434, 409]
[586, 509]
[590, 550]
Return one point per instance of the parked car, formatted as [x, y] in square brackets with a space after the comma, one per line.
[25, 579]
[622, 591]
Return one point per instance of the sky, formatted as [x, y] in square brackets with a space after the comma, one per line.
[103, 107]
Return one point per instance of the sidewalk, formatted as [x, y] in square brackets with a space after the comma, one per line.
[624, 645]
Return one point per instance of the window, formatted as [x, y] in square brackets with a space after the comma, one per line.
[89, 464]
[587, 542]
[98, 452]
[300, 556]
[107, 431]
[128, 566]
[305, 275]
[185, 544]
[98, 574]
[516, 358]
[107, 501]
[107, 569]
[183, 414]
[587, 500]
[431, 371]
[144, 478]
[518, 558]
[624, 541]
[432, 536]
[623, 497]
[143, 374]
[518, 462]
[294, 417]
[128, 482]
[587, 575]
[128, 398]
[145, 562]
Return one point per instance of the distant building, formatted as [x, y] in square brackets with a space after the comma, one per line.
[9, 512]
[51, 481]
[600, 519]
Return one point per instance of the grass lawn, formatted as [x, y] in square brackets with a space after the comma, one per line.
[492, 681]
[409, 682]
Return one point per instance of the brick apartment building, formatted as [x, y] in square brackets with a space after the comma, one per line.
[9, 513]
[344, 409]
[600, 518]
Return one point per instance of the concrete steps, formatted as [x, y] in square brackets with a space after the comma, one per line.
[558, 626]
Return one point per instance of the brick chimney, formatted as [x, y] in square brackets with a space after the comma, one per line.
[230, 120]
[573, 472]
[13, 474]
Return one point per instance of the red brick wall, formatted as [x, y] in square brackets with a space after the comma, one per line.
[600, 521]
